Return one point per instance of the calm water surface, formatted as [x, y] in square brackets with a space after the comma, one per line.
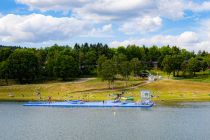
[189, 121]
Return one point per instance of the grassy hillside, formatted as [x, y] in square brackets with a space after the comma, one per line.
[198, 78]
[176, 90]
[62, 91]
[95, 89]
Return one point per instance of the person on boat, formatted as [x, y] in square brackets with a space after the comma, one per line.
[49, 99]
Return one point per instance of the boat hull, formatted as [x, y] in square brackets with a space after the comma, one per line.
[89, 104]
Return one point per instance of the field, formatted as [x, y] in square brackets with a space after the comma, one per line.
[199, 78]
[176, 90]
[167, 90]
[91, 89]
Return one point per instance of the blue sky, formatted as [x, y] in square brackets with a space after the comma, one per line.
[40, 23]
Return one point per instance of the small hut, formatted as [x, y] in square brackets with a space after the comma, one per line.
[145, 95]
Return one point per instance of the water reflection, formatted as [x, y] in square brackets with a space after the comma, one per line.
[180, 121]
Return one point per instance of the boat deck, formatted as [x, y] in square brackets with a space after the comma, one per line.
[89, 104]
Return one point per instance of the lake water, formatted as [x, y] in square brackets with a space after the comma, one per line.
[189, 121]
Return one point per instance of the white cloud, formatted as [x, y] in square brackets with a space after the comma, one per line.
[130, 17]
[198, 7]
[205, 28]
[172, 9]
[199, 39]
[141, 25]
[55, 5]
[187, 40]
[135, 16]
[39, 28]
[111, 9]
[119, 9]
[125, 10]
[105, 31]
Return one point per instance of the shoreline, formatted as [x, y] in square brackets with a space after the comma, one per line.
[156, 101]
[163, 91]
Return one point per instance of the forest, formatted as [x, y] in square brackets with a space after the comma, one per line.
[31, 65]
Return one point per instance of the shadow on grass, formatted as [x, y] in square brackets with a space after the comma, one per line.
[197, 78]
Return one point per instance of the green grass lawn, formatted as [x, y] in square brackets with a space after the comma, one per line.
[176, 90]
[90, 90]
[199, 77]
[158, 72]
[95, 90]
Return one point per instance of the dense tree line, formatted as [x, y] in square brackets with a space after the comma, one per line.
[28, 65]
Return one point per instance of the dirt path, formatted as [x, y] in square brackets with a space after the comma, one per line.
[115, 89]
[81, 80]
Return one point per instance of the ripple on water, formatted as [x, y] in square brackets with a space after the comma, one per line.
[183, 121]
